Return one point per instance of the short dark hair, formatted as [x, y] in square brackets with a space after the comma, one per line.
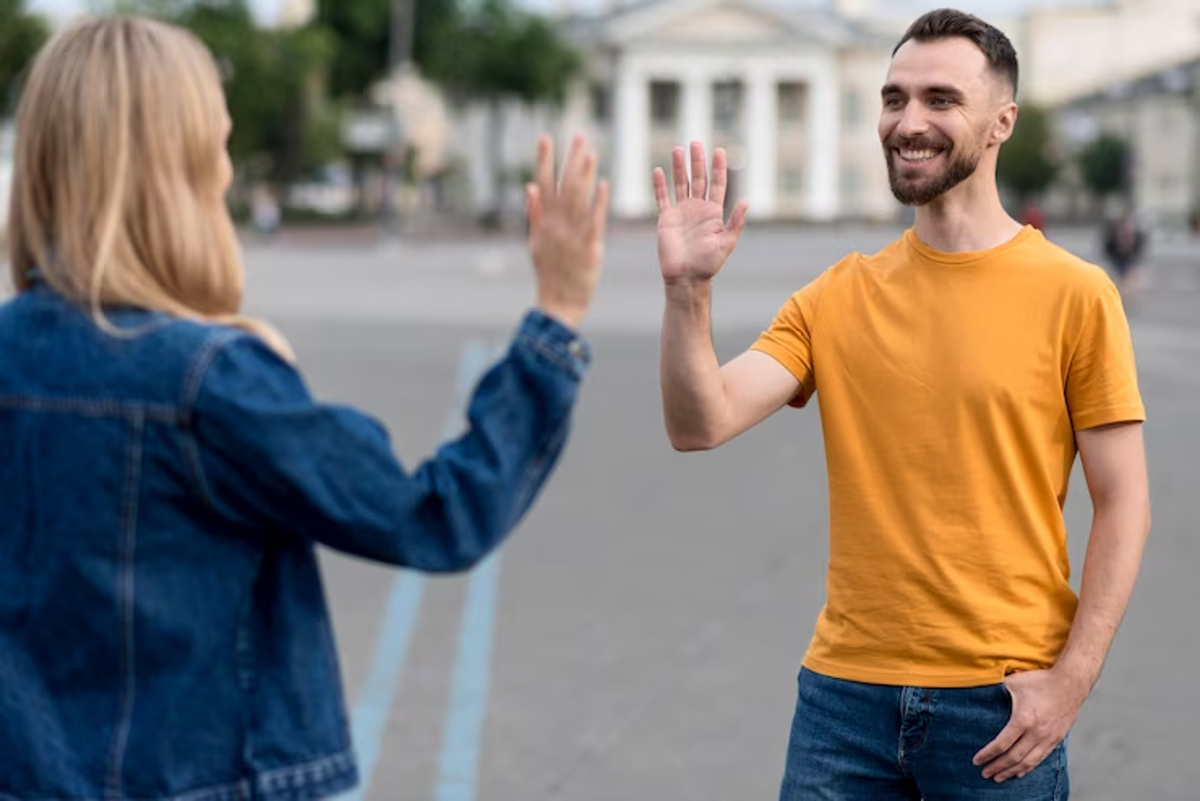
[946, 23]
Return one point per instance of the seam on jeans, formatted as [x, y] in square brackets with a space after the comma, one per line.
[92, 407]
[125, 591]
[1062, 769]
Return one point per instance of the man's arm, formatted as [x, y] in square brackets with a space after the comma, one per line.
[1046, 702]
[705, 404]
[1114, 462]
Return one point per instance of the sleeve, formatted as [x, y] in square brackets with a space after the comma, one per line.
[1101, 386]
[265, 454]
[789, 338]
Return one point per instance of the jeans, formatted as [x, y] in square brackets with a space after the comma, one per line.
[870, 742]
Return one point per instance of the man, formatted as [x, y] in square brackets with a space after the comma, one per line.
[959, 369]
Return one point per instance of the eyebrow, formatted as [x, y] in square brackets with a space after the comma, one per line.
[937, 89]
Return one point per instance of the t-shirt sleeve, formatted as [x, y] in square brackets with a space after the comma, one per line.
[789, 338]
[1102, 385]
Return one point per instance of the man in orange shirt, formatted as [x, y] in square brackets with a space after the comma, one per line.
[959, 371]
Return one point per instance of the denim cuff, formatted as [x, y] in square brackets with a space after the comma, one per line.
[554, 342]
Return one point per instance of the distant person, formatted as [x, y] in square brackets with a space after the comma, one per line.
[264, 209]
[167, 474]
[959, 370]
[1124, 245]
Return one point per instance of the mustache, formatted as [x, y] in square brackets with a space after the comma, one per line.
[917, 142]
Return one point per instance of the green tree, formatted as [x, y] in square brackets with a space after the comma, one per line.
[22, 34]
[1026, 165]
[503, 53]
[361, 32]
[1104, 164]
[272, 80]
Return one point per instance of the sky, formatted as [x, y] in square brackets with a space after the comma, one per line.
[268, 9]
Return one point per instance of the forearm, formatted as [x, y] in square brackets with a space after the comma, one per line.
[1110, 570]
[693, 393]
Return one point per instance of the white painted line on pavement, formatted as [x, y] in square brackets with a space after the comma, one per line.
[463, 734]
[400, 617]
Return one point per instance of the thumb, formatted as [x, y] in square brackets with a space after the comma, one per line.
[736, 220]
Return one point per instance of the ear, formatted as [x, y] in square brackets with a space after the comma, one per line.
[1005, 122]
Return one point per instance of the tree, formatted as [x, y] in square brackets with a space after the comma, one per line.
[1026, 165]
[22, 35]
[272, 80]
[1105, 165]
[361, 32]
[502, 53]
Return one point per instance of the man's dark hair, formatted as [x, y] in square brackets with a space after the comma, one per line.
[946, 23]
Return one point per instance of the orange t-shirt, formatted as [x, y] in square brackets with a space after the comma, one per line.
[950, 388]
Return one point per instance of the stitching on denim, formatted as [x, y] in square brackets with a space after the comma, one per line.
[191, 382]
[267, 783]
[546, 351]
[191, 392]
[125, 590]
[536, 467]
[156, 412]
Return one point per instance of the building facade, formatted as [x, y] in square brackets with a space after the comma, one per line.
[791, 94]
[1158, 116]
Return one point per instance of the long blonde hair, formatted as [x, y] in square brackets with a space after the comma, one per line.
[116, 193]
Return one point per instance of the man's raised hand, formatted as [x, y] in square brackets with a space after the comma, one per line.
[693, 238]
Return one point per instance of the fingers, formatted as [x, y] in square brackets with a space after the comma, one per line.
[1024, 759]
[736, 220]
[679, 173]
[661, 197]
[716, 191]
[699, 172]
[997, 747]
[575, 169]
[600, 209]
[575, 195]
[533, 208]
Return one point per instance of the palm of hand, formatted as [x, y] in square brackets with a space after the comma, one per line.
[692, 240]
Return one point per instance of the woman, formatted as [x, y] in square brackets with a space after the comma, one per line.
[166, 475]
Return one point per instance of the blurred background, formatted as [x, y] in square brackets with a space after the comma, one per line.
[640, 635]
[420, 112]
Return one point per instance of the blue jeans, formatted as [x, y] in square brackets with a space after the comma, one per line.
[871, 742]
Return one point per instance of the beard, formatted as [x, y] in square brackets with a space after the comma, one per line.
[919, 191]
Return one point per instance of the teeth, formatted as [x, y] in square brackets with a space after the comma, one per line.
[917, 155]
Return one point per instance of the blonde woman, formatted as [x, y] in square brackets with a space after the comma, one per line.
[165, 473]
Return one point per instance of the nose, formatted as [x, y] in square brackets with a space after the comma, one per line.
[912, 120]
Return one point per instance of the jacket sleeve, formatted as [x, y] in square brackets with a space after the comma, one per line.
[265, 454]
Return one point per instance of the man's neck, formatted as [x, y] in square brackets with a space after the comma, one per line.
[966, 219]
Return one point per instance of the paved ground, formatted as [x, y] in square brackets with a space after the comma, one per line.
[639, 636]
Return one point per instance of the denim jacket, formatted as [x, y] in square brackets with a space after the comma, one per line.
[163, 628]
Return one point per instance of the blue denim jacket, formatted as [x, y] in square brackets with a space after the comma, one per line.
[163, 628]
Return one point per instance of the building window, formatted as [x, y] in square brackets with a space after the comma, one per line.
[791, 103]
[664, 103]
[601, 101]
[851, 109]
[727, 107]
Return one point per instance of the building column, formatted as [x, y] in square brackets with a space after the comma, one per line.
[631, 145]
[697, 117]
[761, 154]
[824, 158]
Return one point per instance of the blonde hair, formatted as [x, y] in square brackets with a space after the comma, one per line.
[117, 195]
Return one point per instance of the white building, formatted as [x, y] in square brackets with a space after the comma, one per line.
[1158, 116]
[791, 93]
[1071, 51]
